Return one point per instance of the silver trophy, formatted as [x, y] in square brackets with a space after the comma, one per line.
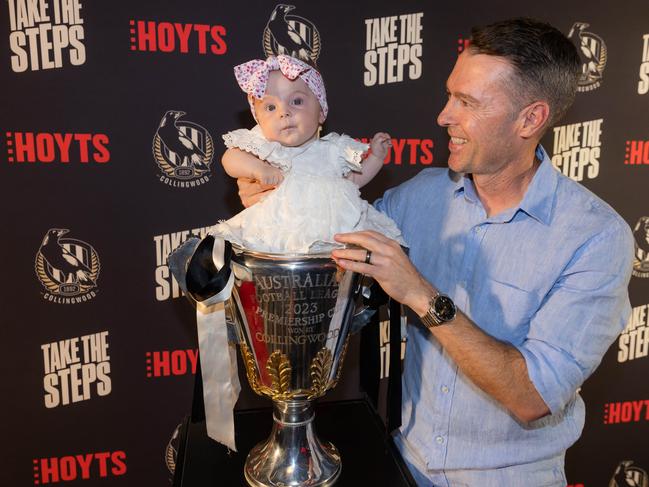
[293, 316]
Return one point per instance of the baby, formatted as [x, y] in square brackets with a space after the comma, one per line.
[318, 178]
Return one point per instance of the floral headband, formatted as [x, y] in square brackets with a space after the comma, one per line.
[253, 77]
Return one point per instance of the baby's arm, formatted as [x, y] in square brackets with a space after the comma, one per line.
[242, 164]
[372, 164]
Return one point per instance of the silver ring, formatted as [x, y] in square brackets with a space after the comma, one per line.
[368, 256]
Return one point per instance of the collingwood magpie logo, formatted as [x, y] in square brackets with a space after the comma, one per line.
[171, 452]
[641, 260]
[593, 54]
[291, 34]
[67, 268]
[183, 151]
[628, 475]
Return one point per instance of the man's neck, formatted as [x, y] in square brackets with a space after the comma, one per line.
[506, 188]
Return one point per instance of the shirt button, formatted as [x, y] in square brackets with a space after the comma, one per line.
[445, 389]
[439, 440]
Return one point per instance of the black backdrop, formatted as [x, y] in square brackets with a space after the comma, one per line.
[97, 369]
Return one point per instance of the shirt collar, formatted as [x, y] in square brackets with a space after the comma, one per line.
[539, 197]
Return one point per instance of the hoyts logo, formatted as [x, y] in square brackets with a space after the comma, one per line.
[175, 362]
[153, 36]
[408, 151]
[637, 152]
[50, 147]
[68, 468]
[626, 412]
[462, 44]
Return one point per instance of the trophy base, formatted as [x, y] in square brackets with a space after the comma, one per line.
[292, 455]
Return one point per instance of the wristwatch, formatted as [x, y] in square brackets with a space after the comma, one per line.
[440, 311]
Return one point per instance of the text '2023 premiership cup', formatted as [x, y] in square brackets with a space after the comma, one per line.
[293, 315]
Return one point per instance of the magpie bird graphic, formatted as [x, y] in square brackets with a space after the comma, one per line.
[58, 257]
[641, 234]
[588, 57]
[286, 36]
[179, 143]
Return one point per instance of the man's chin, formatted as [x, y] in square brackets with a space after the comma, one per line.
[455, 164]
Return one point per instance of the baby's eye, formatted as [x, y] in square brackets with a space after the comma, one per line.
[270, 108]
[298, 101]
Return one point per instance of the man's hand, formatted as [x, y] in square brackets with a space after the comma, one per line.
[252, 191]
[389, 266]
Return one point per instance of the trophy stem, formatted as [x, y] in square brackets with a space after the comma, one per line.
[292, 455]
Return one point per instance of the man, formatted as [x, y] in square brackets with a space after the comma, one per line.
[532, 267]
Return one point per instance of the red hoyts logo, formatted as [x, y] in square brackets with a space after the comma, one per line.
[153, 36]
[46, 147]
[408, 151]
[626, 412]
[637, 152]
[74, 467]
[575, 485]
[462, 44]
[175, 362]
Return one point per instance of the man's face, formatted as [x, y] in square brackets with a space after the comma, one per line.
[478, 115]
[289, 113]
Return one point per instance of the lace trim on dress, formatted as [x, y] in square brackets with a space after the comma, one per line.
[253, 141]
[350, 151]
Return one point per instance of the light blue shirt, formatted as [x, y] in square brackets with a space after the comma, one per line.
[549, 276]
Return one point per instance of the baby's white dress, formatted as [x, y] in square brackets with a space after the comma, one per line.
[313, 202]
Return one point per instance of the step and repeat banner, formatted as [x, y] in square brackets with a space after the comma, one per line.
[110, 146]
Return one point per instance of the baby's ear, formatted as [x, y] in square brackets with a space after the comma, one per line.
[322, 117]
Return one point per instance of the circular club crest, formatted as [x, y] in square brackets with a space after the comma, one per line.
[171, 451]
[182, 149]
[641, 258]
[593, 53]
[66, 267]
[291, 35]
[629, 475]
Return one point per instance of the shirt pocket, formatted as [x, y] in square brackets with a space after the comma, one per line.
[505, 309]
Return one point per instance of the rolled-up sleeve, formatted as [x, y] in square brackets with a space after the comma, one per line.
[580, 317]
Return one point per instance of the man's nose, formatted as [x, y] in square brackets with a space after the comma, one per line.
[445, 117]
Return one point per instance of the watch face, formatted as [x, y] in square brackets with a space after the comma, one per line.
[444, 308]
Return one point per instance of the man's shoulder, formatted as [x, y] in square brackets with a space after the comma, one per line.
[582, 210]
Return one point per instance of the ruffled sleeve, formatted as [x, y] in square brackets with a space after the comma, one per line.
[254, 142]
[350, 152]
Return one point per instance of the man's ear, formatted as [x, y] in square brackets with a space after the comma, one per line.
[534, 119]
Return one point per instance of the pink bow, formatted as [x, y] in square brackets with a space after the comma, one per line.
[253, 77]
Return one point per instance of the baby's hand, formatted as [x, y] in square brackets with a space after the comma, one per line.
[268, 174]
[380, 144]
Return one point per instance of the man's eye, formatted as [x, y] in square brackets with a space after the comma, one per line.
[270, 108]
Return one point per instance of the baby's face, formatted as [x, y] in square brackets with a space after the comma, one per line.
[289, 113]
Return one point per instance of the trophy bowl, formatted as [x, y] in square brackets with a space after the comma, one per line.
[293, 315]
